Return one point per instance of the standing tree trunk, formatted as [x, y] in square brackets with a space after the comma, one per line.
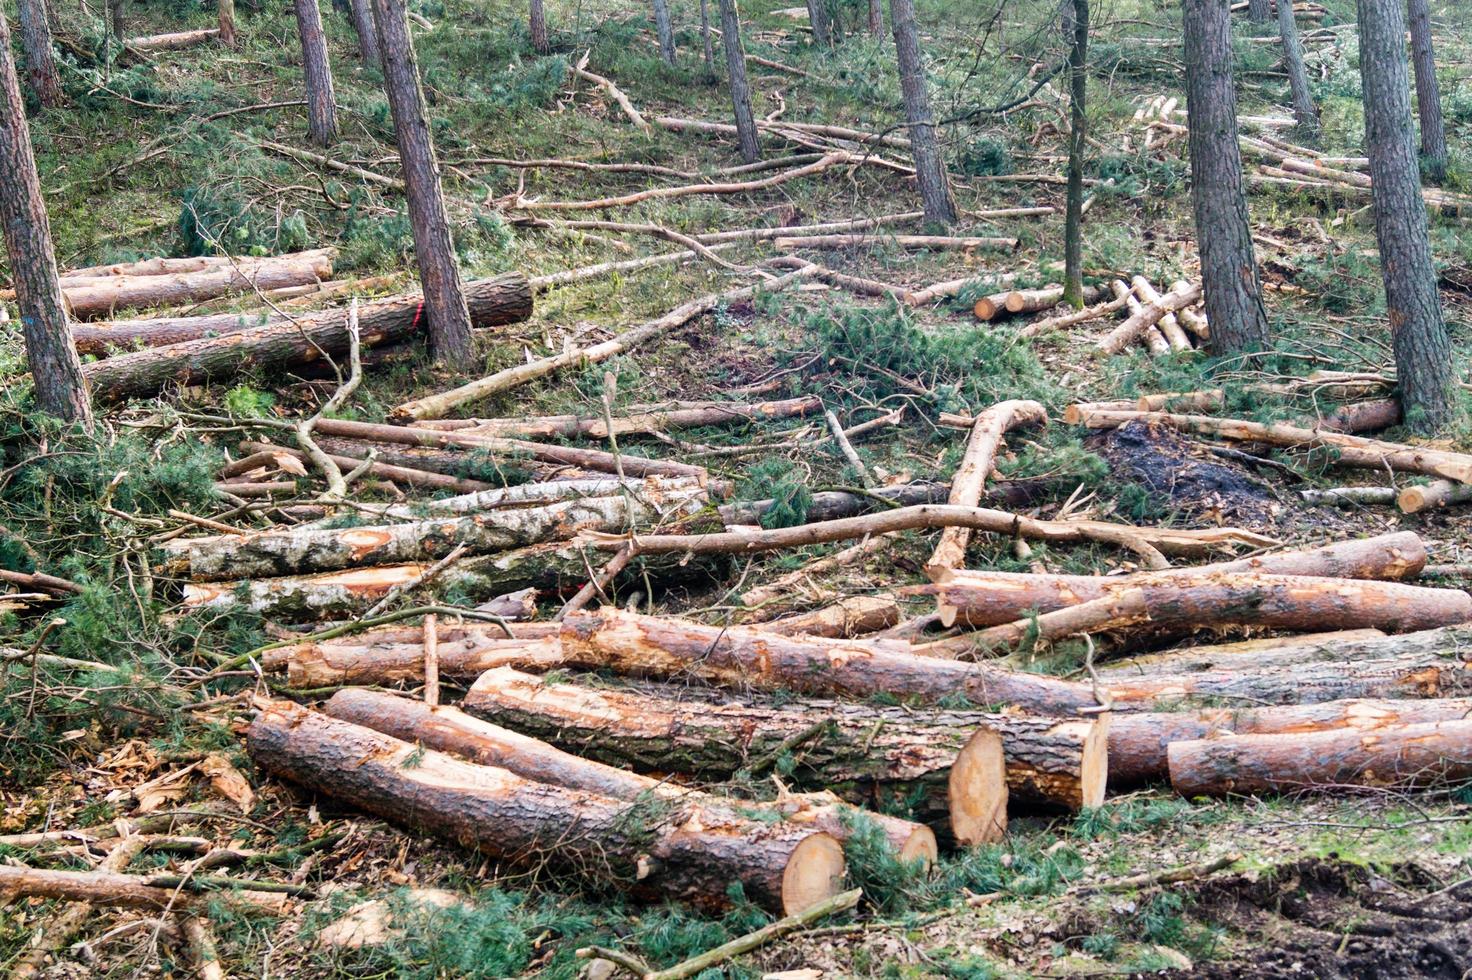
[55, 368]
[1073, 244]
[434, 250]
[35, 40]
[226, 12]
[1423, 358]
[1303, 103]
[115, 11]
[665, 30]
[1233, 292]
[1428, 93]
[367, 31]
[1260, 11]
[819, 22]
[740, 90]
[321, 102]
[876, 17]
[708, 51]
[930, 168]
[537, 22]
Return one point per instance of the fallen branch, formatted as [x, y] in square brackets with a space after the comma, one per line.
[669, 193]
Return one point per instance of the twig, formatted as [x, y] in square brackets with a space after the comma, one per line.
[1185, 872]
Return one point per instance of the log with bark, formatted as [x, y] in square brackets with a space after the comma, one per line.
[901, 241]
[498, 300]
[596, 427]
[651, 847]
[386, 469]
[1272, 651]
[317, 665]
[1437, 493]
[92, 297]
[655, 491]
[849, 616]
[171, 42]
[450, 730]
[1150, 315]
[867, 754]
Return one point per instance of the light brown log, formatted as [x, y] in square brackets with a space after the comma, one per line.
[685, 852]
[1138, 740]
[251, 490]
[398, 474]
[171, 42]
[449, 730]
[117, 890]
[92, 298]
[1395, 756]
[849, 616]
[1084, 315]
[1437, 493]
[798, 584]
[989, 307]
[1350, 450]
[616, 94]
[1270, 651]
[595, 427]
[976, 465]
[1168, 325]
[1152, 313]
[1186, 401]
[654, 491]
[1364, 416]
[1115, 610]
[933, 242]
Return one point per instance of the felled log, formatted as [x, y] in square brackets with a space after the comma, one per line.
[902, 241]
[1350, 496]
[1138, 740]
[596, 427]
[867, 754]
[1348, 450]
[1186, 401]
[1273, 651]
[1064, 320]
[109, 888]
[1037, 300]
[96, 296]
[449, 730]
[828, 505]
[655, 491]
[1151, 314]
[1113, 611]
[293, 552]
[685, 852]
[498, 300]
[171, 42]
[849, 616]
[980, 598]
[976, 465]
[1437, 493]
[1364, 416]
[1399, 756]
[314, 665]
[407, 476]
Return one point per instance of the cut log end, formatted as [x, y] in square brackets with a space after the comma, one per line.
[988, 307]
[978, 790]
[813, 873]
[920, 846]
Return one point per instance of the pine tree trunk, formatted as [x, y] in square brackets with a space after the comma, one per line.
[537, 24]
[55, 367]
[317, 71]
[1078, 74]
[367, 30]
[1428, 93]
[1233, 292]
[665, 30]
[1423, 357]
[876, 18]
[736, 74]
[930, 167]
[1304, 109]
[818, 20]
[35, 40]
[116, 10]
[1260, 11]
[707, 47]
[434, 250]
[226, 11]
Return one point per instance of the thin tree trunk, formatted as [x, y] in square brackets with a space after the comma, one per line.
[876, 17]
[226, 12]
[1303, 102]
[537, 23]
[1239, 323]
[1413, 306]
[665, 30]
[321, 102]
[116, 10]
[367, 30]
[35, 40]
[1073, 246]
[1261, 11]
[55, 367]
[821, 25]
[930, 168]
[740, 90]
[707, 48]
[1428, 93]
[434, 250]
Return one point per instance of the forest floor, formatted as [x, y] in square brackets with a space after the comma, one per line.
[1351, 884]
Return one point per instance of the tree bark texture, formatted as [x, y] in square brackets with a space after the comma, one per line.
[314, 665]
[1304, 109]
[55, 367]
[665, 31]
[434, 249]
[225, 11]
[876, 18]
[35, 41]
[1078, 120]
[537, 25]
[1261, 11]
[94, 297]
[736, 78]
[1423, 358]
[820, 22]
[317, 73]
[930, 165]
[1428, 92]
[656, 850]
[499, 300]
[366, 28]
[449, 730]
[1239, 323]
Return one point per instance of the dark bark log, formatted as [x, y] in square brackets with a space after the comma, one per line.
[1138, 741]
[1304, 109]
[1428, 92]
[537, 26]
[452, 731]
[434, 250]
[1395, 756]
[367, 30]
[55, 367]
[1078, 78]
[736, 78]
[685, 852]
[1239, 323]
[317, 74]
[499, 300]
[1413, 305]
[665, 31]
[930, 164]
[35, 41]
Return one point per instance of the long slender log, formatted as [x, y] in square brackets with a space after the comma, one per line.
[1437, 493]
[1271, 651]
[498, 300]
[448, 730]
[1138, 740]
[331, 549]
[171, 42]
[595, 427]
[849, 616]
[682, 851]
[900, 241]
[1349, 450]
[668, 193]
[1075, 317]
[865, 753]
[1116, 610]
[1399, 756]
[114, 889]
[970, 477]
[317, 665]
[94, 297]
[653, 490]
[829, 505]
[407, 476]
